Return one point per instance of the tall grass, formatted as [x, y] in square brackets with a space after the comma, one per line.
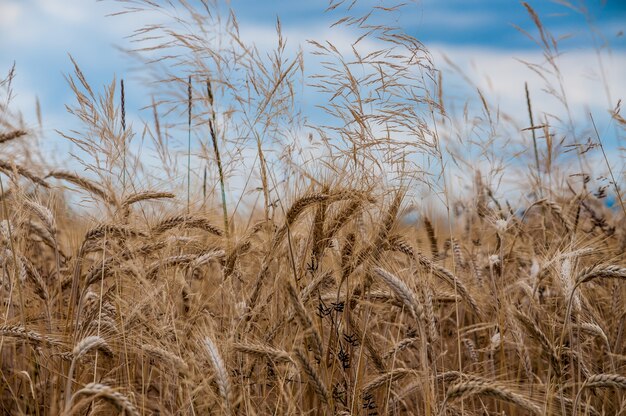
[326, 299]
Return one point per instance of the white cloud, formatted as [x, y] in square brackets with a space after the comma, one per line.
[68, 11]
[52, 27]
[10, 11]
[500, 76]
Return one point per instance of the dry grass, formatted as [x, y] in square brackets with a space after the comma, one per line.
[325, 299]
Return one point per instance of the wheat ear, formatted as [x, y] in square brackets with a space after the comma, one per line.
[312, 375]
[83, 347]
[277, 356]
[223, 382]
[97, 391]
[486, 388]
[12, 135]
[600, 381]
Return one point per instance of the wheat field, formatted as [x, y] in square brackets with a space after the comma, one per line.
[129, 292]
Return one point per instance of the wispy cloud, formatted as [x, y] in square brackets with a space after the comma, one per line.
[478, 37]
[502, 74]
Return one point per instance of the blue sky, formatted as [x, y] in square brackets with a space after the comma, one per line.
[478, 35]
[463, 22]
[38, 34]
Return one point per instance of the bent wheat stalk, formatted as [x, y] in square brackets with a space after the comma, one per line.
[600, 381]
[101, 391]
[486, 388]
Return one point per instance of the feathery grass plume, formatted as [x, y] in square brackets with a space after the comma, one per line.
[616, 188]
[263, 351]
[11, 135]
[479, 387]
[314, 378]
[22, 171]
[85, 184]
[221, 374]
[95, 391]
